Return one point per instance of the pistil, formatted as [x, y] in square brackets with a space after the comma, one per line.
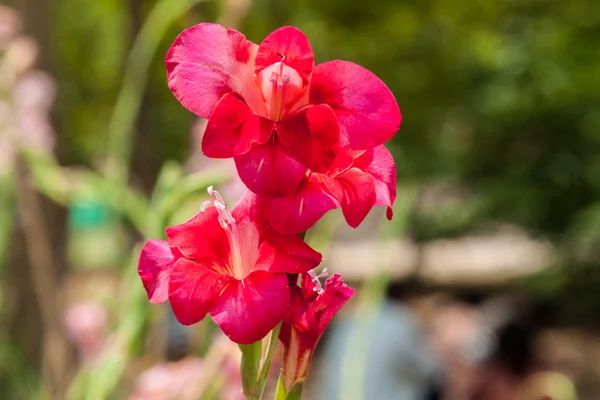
[278, 82]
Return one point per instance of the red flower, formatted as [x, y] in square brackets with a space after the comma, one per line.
[271, 109]
[311, 309]
[231, 265]
[357, 181]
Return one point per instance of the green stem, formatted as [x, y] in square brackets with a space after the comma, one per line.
[264, 371]
[249, 366]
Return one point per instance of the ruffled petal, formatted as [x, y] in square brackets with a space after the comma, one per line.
[288, 45]
[207, 61]
[154, 267]
[233, 128]
[366, 109]
[355, 190]
[193, 289]
[269, 169]
[301, 210]
[202, 239]
[312, 137]
[335, 294]
[379, 163]
[248, 309]
[285, 253]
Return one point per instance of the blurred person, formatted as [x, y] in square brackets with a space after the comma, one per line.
[399, 363]
[459, 342]
[513, 370]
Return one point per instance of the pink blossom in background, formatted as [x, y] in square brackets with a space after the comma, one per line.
[86, 325]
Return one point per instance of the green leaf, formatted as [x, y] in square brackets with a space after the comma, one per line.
[296, 391]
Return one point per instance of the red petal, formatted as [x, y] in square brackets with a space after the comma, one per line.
[202, 239]
[207, 61]
[300, 211]
[193, 289]
[285, 253]
[288, 45]
[312, 137]
[378, 162]
[366, 109]
[335, 294]
[248, 309]
[233, 128]
[154, 268]
[355, 190]
[269, 169]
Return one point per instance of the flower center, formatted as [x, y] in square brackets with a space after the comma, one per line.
[230, 227]
[282, 88]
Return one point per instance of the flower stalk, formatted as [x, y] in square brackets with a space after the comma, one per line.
[249, 367]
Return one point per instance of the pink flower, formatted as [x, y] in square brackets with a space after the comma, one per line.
[271, 109]
[356, 181]
[232, 265]
[311, 309]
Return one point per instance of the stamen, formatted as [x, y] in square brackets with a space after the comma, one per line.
[228, 224]
[225, 217]
[315, 279]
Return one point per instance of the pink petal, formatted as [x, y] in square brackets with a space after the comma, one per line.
[300, 211]
[207, 61]
[269, 169]
[355, 190]
[233, 128]
[378, 162]
[248, 309]
[154, 268]
[193, 289]
[366, 109]
[288, 45]
[285, 253]
[202, 239]
[312, 137]
[335, 294]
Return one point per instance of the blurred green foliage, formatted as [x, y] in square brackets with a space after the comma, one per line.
[501, 97]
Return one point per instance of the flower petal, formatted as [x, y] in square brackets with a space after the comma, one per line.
[335, 294]
[154, 267]
[285, 253]
[269, 169]
[207, 61]
[366, 109]
[233, 128]
[379, 163]
[298, 212]
[355, 190]
[193, 289]
[202, 239]
[248, 309]
[312, 137]
[288, 45]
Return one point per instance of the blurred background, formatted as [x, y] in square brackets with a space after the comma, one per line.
[484, 286]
